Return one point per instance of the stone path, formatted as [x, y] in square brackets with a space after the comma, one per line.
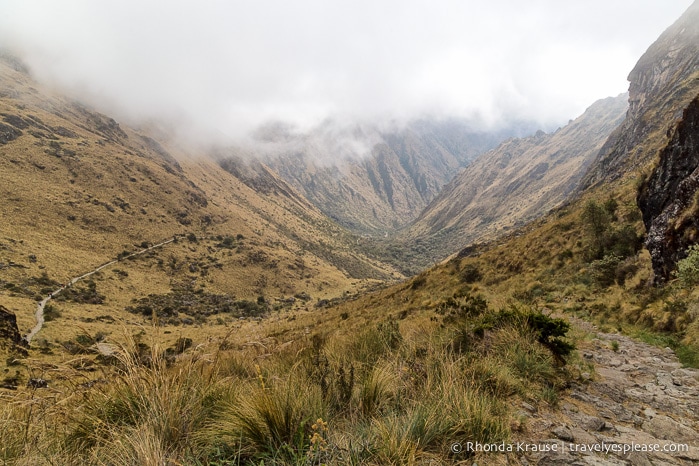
[39, 315]
[640, 397]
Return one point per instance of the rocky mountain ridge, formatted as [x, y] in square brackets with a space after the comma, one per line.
[663, 82]
[668, 197]
[660, 135]
[372, 181]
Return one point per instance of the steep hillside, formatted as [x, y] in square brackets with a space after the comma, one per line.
[515, 183]
[78, 190]
[663, 82]
[667, 82]
[369, 180]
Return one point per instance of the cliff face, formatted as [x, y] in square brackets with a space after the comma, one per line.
[668, 198]
[662, 84]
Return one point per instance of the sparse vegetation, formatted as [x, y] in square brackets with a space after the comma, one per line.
[187, 305]
[605, 239]
[383, 395]
[51, 312]
[82, 293]
[470, 273]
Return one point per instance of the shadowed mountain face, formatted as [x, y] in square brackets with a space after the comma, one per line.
[374, 181]
[661, 130]
[515, 183]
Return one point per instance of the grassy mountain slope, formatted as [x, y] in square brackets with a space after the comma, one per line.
[79, 190]
[514, 183]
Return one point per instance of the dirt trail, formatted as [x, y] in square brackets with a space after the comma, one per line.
[639, 396]
[40, 307]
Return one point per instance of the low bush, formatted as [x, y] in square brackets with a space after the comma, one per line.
[604, 271]
[688, 268]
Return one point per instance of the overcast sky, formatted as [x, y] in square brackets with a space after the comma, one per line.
[230, 65]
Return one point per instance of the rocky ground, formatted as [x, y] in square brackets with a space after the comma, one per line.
[638, 396]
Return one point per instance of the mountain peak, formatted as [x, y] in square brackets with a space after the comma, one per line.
[662, 84]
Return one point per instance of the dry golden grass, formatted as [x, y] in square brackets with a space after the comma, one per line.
[392, 393]
[77, 190]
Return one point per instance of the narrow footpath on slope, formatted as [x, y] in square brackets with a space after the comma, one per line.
[639, 407]
[40, 307]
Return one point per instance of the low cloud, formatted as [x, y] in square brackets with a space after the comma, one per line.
[220, 69]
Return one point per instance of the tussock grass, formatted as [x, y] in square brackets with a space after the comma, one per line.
[148, 413]
[268, 420]
[13, 429]
[396, 393]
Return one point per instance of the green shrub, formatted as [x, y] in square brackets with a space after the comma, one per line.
[418, 282]
[549, 332]
[459, 308]
[602, 237]
[688, 268]
[596, 222]
[624, 241]
[228, 242]
[610, 206]
[50, 312]
[604, 271]
[87, 294]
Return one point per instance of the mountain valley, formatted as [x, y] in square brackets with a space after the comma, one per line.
[515, 183]
[80, 190]
[292, 303]
[374, 181]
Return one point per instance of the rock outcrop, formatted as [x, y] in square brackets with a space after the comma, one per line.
[9, 332]
[668, 198]
[662, 84]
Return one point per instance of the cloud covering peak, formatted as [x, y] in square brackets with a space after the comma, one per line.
[229, 66]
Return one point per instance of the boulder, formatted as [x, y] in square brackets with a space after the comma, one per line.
[9, 333]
